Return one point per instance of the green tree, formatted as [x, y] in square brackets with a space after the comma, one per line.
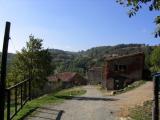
[147, 52]
[136, 5]
[155, 59]
[32, 62]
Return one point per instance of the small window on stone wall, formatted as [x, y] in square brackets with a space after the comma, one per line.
[121, 68]
[115, 67]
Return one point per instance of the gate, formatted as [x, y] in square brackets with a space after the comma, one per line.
[12, 99]
[16, 97]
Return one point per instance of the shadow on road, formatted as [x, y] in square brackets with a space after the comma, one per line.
[44, 113]
[88, 98]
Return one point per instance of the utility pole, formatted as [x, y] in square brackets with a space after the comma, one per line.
[3, 70]
[155, 114]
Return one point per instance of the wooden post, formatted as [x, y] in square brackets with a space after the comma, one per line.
[155, 115]
[3, 70]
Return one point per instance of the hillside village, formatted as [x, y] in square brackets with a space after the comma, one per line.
[116, 73]
[95, 59]
[80, 60]
[112, 69]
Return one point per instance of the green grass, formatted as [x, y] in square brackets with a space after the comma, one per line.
[131, 87]
[141, 112]
[71, 92]
[53, 98]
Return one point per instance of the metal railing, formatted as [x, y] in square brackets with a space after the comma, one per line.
[16, 97]
[12, 99]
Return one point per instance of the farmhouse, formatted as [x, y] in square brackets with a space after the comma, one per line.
[123, 70]
[67, 79]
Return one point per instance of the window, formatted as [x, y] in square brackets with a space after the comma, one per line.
[115, 67]
[121, 68]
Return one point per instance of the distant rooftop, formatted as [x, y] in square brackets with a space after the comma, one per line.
[65, 76]
[124, 56]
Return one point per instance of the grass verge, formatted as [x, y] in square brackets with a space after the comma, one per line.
[53, 98]
[141, 112]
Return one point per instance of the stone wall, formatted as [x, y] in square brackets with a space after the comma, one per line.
[95, 76]
[125, 70]
[51, 86]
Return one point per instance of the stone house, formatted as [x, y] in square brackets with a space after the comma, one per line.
[67, 79]
[52, 84]
[120, 71]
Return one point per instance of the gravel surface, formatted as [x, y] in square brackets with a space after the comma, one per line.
[93, 105]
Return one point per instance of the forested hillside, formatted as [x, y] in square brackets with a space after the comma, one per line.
[9, 59]
[81, 61]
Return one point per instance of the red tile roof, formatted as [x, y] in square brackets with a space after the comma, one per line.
[65, 76]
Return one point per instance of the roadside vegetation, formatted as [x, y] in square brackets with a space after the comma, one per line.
[141, 112]
[131, 87]
[138, 112]
[53, 98]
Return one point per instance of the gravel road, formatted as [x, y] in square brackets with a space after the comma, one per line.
[93, 105]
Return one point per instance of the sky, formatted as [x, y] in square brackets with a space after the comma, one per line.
[75, 25]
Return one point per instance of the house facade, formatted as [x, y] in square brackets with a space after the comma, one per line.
[120, 71]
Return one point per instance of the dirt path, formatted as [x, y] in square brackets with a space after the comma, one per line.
[93, 105]
[136, 96]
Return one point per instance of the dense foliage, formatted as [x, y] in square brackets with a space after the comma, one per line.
[32, 62]
[155, 59]
[83, 60]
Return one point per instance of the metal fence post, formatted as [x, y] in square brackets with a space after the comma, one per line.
[8, 104]
[3, 70]
[29, 89]
[155, 115]
[15, 99]
[21, 91]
